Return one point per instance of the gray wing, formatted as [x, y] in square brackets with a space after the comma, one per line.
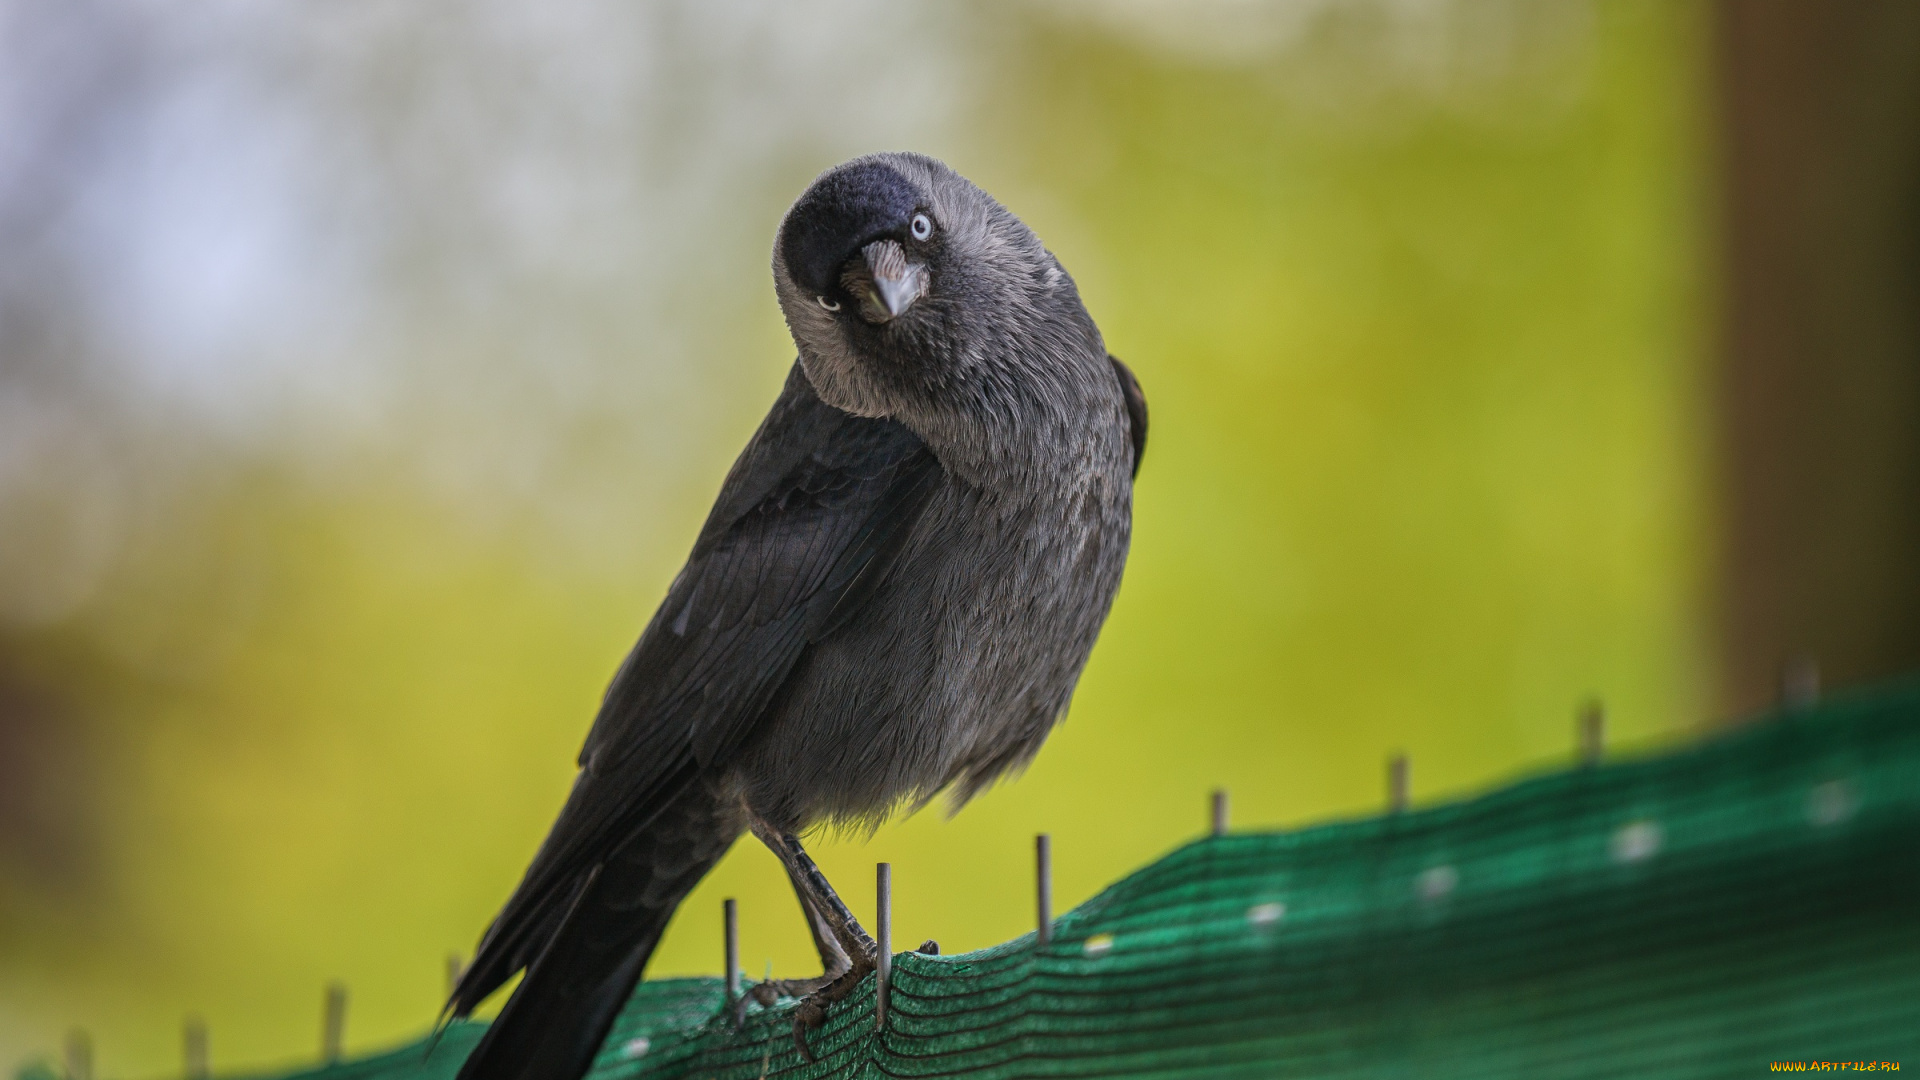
[808, 521]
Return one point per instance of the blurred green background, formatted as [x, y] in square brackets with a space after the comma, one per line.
[368, 370]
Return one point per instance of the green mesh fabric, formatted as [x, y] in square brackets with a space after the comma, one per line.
[1704, 914]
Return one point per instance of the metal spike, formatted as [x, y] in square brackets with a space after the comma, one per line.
[333, 1023]
[1800, 683]
[194, 1045]
[79, 1055]
[1399, 782]
[730, 916]
[1219, 811]
[883, 936]
[1593, 732]
[1043, 886]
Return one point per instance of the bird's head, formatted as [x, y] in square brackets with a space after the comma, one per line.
[899, 279]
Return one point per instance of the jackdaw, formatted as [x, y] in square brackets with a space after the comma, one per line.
[892, 597]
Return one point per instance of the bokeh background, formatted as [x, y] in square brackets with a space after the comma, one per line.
[366, 370]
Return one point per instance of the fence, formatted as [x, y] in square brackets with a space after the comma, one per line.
[1750, 901]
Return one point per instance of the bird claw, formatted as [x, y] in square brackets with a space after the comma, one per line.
[767, 994]
[815, 995]
[808, 1015]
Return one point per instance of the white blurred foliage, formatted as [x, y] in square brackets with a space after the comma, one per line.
[1344, 55]
[512, 253]
[504, 248]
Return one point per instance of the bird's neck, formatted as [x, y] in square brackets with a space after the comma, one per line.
[1048, 429]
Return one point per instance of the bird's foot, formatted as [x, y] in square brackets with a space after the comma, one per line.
[767, 994]
[813, 1008]
[815, 995]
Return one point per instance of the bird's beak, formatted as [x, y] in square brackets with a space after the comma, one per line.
[898, 283]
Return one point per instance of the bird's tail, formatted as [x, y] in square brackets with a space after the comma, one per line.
[553, 1025]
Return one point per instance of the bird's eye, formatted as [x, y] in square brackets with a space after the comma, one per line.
[922, 226]
[830, 305]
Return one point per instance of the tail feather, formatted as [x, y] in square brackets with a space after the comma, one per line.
[496, 961]
[554, 1024]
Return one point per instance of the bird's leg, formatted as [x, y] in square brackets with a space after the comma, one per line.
[834, 959]
[825, 910]
[834, 962]
[847, 952]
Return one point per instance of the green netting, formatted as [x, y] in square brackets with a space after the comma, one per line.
[1704, 914]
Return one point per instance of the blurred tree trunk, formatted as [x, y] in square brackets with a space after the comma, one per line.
[1819, 379]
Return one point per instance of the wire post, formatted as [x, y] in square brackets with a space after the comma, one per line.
[79, 1055]
[1399, 782]
[883, 932]
[730, 917]
[1800, 683]
[1593, 732]
[1220, 811]
[194, 1045]
[1043, 886]
[333, 1023]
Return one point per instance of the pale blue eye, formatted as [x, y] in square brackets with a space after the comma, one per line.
[922, 226]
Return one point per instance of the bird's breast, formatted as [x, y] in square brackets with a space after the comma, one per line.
[959, 664]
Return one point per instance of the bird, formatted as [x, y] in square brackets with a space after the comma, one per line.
[893, 597]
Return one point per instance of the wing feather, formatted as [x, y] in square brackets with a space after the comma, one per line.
[810, 516]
